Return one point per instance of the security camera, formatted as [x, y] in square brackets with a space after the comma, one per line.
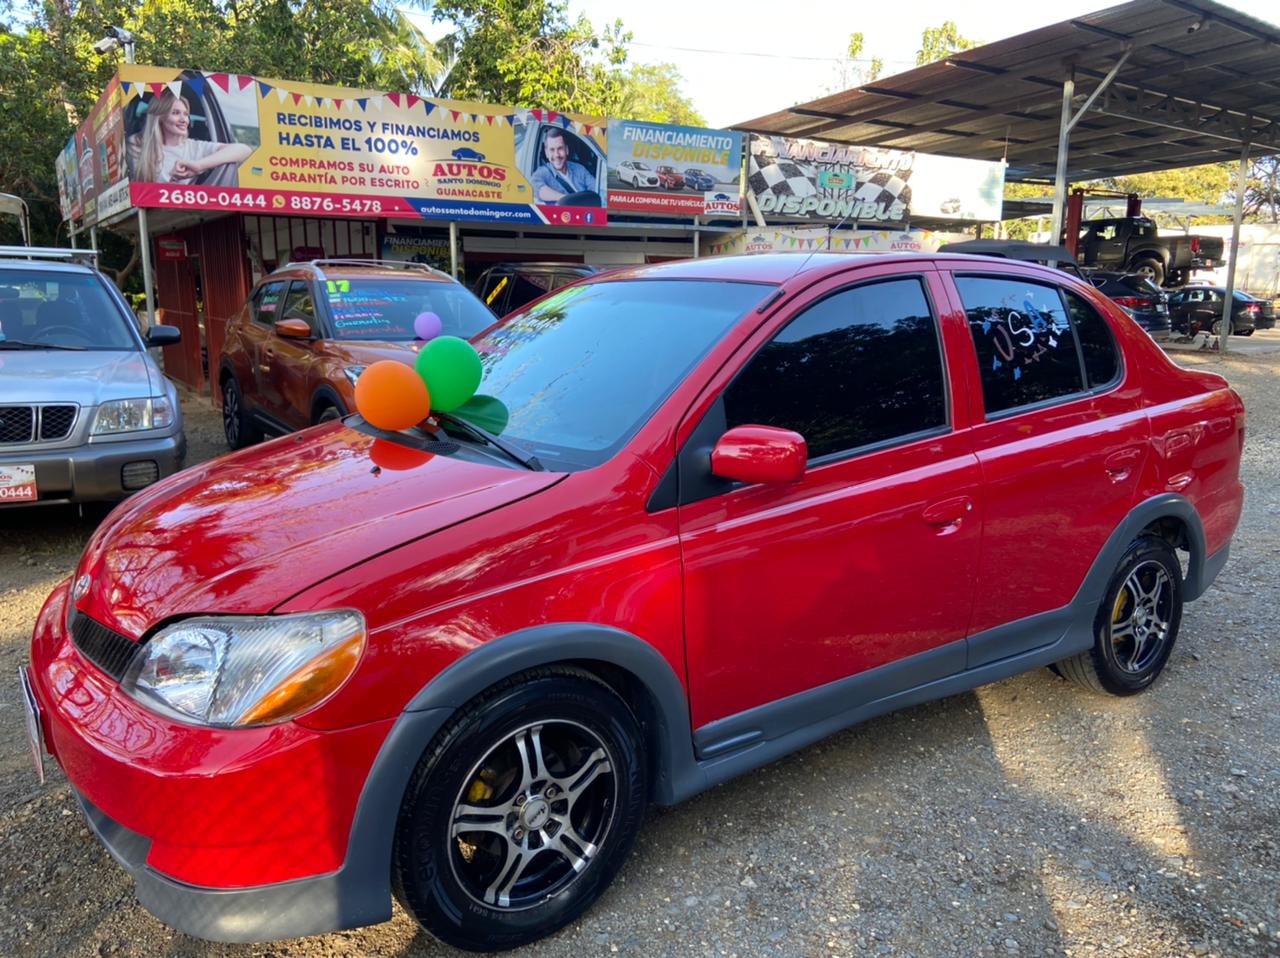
[106, 45]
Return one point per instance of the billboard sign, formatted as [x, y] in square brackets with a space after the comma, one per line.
[234, 142]
[833, 181]
[683, 170]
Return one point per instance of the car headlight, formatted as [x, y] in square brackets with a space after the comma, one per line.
[353, 373]
[246, 670]
[131, 415]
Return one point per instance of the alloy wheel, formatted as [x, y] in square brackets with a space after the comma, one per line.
[231, 414]
[532, 814]
[1141, 618]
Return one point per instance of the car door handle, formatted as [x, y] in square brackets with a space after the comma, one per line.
[948, 513]
[1119, 464]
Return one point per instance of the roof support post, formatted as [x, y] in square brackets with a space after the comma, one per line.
[148, 278]
[1064, 141]
[1228, 297]
[453, 249]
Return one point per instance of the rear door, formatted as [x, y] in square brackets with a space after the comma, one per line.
[1061, 436]
[870, 558]
[264, 310]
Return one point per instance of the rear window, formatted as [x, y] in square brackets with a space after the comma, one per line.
[1140, 284]
[56, 310]
[385, 309]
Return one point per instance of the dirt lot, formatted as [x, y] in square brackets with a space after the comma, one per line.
[1027, 818]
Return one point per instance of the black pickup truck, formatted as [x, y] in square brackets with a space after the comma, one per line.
[1131, 244]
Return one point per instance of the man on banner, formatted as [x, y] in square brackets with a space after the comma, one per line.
[560, 176]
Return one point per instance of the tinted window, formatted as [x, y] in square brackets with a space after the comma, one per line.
[576, 375]
[60, 309]
[385, 309]
[1026, 348]
[1101, 359]
[266, 307]
[862, 366]
[526, 287]
[300, 304]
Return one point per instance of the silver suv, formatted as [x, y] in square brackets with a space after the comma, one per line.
[85, 413]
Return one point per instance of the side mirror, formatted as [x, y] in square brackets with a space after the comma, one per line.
[760, 454]
[293, 328]
[163, 335]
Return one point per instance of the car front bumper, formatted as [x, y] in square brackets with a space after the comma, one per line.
[229, 834]
[94, 472]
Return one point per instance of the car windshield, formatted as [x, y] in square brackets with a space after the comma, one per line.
[573, 378]
[385, 309]
[50, 309]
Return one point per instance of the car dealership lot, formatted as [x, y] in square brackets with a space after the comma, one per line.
[1026, 818]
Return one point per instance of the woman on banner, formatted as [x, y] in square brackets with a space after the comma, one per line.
[164, 153]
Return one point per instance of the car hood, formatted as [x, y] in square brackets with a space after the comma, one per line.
[366, 353]
[246, 532]
[88, 377]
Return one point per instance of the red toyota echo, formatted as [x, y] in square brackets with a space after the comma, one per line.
[701, 515]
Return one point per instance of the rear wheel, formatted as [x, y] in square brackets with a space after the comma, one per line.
[1137, 622]
[521, 812]
[1150, 268]
[237, 425]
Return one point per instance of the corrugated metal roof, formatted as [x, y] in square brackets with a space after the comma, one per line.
[1200, 78]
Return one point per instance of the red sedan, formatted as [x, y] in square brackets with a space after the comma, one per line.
[703, 514]
[669, 178]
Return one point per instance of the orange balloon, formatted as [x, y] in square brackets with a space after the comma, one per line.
[392, 396]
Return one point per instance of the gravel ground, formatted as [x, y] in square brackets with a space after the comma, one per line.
[1026, 818]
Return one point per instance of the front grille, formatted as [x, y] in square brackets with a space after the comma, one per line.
[104, 647]
[17, 423]
[56, 421]
[24, 424]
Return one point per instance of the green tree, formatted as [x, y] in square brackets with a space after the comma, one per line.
[651, 91]
[938, 43]
[529, 53]
[1262, 192]
[853, 69]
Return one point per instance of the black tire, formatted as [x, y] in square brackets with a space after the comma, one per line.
[534, 862]
[1126, 661]
[237, 425]
[326, 414]
[1244, 332]
[1151, 267]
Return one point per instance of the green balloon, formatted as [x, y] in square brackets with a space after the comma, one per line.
[488, 412]
[451, 369]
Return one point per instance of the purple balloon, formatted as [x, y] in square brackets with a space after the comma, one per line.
[427, 326]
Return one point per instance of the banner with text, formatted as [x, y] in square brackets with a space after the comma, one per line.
[196, 140]
[832, 181]
[654, 168]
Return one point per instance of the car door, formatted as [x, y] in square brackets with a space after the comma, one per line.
[264, 310]
[1062, 437]
[283, 373]
[870, 558]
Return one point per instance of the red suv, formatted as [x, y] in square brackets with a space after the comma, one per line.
[702, 514]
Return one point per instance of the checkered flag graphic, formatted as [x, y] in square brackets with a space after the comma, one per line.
[780, 177]
[887, 188]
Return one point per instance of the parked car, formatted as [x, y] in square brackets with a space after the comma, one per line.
[637, 174]
[670, 178]
[506, 287]
[292, 355]
[1133, 244]
[1264, 317]
[700, 180]
[723, 508]
[85, 413]
[1196, 309]
[1043, 253]
[1142, 299]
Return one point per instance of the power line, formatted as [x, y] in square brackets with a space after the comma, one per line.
[767, 56]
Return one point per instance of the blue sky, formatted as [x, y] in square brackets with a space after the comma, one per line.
[745, 59]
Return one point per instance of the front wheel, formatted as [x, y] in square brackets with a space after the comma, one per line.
[521, 812]
[237, 425]
[1137, 622]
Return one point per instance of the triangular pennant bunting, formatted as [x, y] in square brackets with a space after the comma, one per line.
[243, 81]
[197, 84]
[455, 114]
[394, 98]
[297, 98]
[429, 105]
[362, 102]
[222, 81]
[263, 89]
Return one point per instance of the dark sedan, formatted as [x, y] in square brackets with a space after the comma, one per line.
[1195, 309]
[1142, 299]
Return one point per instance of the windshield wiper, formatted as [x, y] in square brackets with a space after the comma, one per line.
[19, 344]
[528, 460]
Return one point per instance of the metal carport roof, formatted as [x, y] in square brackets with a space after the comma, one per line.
[1200, 79]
